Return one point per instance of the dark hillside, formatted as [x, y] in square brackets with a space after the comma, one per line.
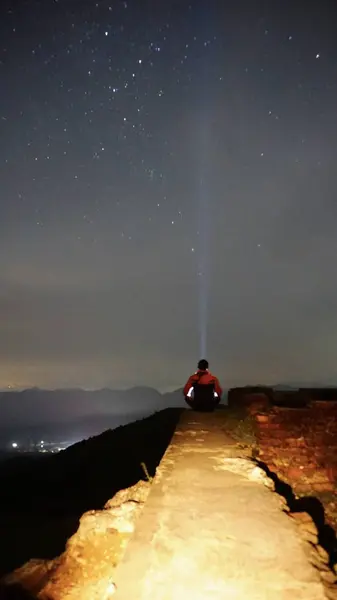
[41, 500]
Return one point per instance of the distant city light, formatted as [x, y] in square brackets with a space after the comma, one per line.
[40, 446]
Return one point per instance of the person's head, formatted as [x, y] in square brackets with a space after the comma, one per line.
[203, 364]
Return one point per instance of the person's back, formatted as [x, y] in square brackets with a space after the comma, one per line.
[202, 390]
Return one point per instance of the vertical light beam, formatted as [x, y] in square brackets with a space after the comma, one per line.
[204, 232]
[203, 129]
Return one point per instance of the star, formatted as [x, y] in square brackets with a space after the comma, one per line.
[139, 155]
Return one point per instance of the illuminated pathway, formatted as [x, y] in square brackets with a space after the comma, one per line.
[213, 529]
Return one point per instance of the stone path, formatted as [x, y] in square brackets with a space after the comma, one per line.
[212, 528]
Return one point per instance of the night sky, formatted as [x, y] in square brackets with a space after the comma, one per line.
[164, 164]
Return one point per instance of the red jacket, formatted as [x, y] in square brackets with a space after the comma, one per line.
[204, 378]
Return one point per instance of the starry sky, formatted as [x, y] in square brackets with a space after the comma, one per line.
[168, 186]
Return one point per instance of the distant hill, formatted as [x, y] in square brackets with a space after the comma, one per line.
[85, 411]
[33, 407]
[303, 384]
[292, 386]
[281, 387]
[73, 414]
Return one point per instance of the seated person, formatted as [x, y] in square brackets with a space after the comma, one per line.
[202, 391]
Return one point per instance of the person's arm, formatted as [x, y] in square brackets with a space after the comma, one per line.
[188, 385]
[217, 387]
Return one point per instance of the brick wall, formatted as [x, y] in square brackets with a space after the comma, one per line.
[300, 445]
[244, 397]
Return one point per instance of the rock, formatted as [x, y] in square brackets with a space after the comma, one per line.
[31, 576]
[305, 521]
[308, 536]
[317, 557]
[306, 526]
[323, 554]
[137, 493]
[119, 518]
[85, 570]
[248, 469]
[331, 593]
[328, 577]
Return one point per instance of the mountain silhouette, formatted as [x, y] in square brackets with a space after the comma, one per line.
[72, 414]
